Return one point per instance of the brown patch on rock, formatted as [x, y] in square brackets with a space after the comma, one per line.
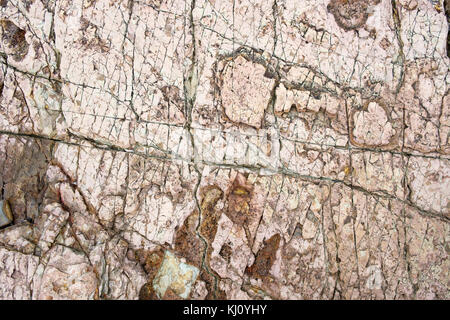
[239, 207]
[385, 43]
[147, 292]
[239, 200]
[226, 252]
[13, 38]
[210, 216]
[23, 167]
[187, 243]
[150, 261]
[265, 258]
[213, 293]
[221, 295]
[350, 14]
[171, 295]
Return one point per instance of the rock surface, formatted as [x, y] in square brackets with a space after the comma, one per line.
[224, 149]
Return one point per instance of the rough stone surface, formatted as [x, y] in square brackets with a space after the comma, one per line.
[224, 149]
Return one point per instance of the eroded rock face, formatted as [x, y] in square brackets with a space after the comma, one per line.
[224, 149]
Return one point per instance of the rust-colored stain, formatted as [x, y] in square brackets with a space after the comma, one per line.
[239, 200]
[213, 293]
[147, 292]
[171, 295]
[226, 252]
[265, 258]
[210, 216]
[150, 260]
[187, 243]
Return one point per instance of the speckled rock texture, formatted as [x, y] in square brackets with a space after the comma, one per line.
[206, 149]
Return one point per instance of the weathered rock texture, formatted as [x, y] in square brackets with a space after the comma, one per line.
[224, 149]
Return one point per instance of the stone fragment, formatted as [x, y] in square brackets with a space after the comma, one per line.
[245, 92]
[174, 277]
